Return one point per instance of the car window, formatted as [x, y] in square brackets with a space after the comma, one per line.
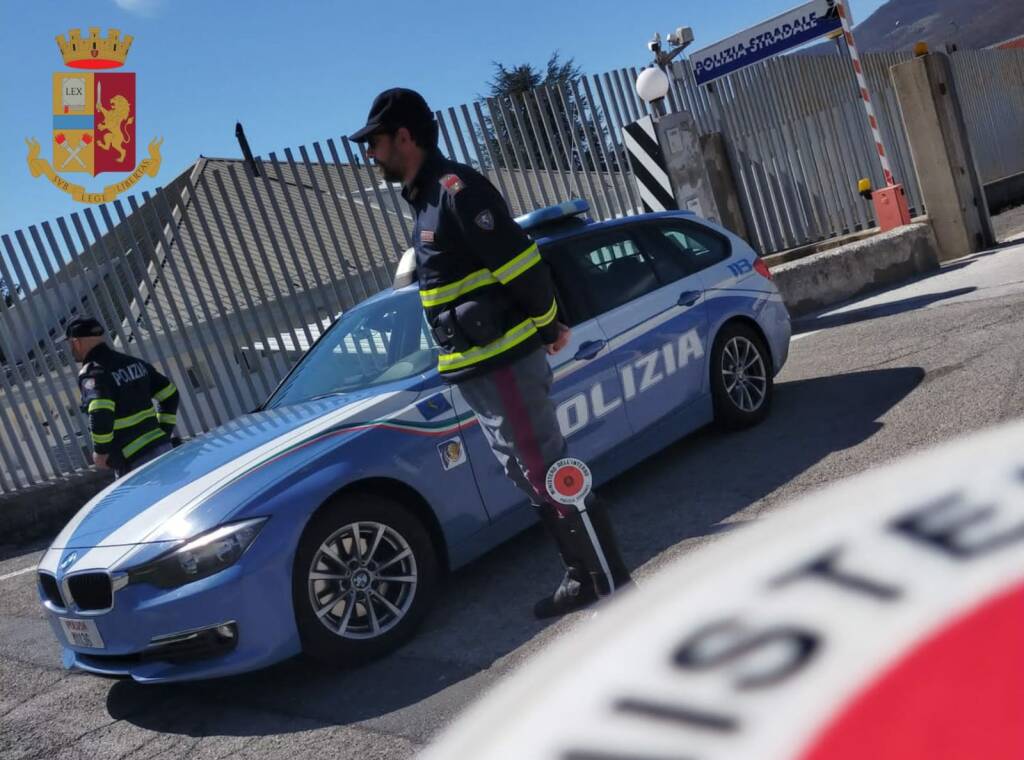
[598, 273]
[685, 249]
[374, 343]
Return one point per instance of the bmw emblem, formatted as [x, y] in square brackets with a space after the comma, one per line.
[68, 561]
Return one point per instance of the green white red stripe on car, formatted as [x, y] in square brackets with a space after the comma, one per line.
[168, 515]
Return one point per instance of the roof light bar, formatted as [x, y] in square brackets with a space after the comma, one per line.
[552, 213]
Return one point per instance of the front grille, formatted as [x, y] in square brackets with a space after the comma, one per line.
[91, 591]
[50, 589]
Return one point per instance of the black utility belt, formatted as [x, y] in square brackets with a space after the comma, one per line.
[468, 324]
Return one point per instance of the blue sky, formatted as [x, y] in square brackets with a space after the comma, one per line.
[307, 70]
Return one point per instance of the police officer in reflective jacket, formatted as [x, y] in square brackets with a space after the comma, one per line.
[490, 302]
[118, 393]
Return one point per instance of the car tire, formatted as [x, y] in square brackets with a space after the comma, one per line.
[354, 605]
[741, 377]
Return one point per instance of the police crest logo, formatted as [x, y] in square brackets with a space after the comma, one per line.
[94, 118]
[485, 221]
[452, 452]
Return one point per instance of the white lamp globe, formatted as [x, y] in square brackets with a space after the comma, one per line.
[652, 84]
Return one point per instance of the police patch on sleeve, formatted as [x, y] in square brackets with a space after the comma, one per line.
[485, 220]
[88, 384]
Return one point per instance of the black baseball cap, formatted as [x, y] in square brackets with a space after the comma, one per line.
[394, 108]
[83, 327]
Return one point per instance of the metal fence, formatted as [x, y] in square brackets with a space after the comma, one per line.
[798, 141]
[990, 85]
[224, 277]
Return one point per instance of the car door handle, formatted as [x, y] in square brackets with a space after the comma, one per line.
[688, 298]
[589, 350]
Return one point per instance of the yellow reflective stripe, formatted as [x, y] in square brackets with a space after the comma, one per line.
[166, 393]
[102, 437]
[512, 269]
[448, 293]
[515, 336]
[167, 419]
[135, 419]
[98, 404]
[547, 317]
[141, 441]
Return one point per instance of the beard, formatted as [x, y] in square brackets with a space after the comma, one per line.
[389, 172]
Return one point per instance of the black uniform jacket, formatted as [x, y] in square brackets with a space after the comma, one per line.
[488, 296]
[118, 393]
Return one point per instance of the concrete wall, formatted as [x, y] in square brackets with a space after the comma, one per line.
[836, 275]
[42, 510]
[943, 159]
[1005, 193]
[723, 183]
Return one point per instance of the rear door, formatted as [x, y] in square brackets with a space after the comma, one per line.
[586, 392]
[655, 321]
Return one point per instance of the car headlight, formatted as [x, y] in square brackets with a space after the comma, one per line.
[200, 557]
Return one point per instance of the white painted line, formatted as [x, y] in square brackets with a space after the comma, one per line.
[804, 335]
[16, 573]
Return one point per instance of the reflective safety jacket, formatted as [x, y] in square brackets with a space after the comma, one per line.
[118, 393]
[488, 296]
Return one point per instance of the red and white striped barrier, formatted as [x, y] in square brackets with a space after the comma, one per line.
[865, 95]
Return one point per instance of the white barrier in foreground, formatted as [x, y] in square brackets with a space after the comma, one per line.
[881, 618]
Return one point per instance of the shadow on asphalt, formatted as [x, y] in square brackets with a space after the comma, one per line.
[483, 616]
[808, 324]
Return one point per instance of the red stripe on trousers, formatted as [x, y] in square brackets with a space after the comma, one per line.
[522, 433]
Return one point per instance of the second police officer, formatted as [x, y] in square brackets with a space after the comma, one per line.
[490, 302]
[118, 392]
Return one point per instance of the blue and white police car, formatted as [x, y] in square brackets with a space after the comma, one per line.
[322, 521]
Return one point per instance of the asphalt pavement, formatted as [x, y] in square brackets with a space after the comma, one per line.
[865, 384]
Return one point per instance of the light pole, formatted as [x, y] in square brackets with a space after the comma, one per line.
[652, 83]
[652, 87]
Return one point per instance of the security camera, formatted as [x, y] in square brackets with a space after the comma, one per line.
[683, 35]
[655, 43]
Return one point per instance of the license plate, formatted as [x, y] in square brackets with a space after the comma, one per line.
[82, 633]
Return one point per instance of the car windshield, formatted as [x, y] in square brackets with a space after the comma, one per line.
[373, 344]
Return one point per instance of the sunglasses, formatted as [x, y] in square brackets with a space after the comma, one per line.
[374, 140]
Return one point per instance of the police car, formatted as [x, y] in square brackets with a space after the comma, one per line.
[322, 521]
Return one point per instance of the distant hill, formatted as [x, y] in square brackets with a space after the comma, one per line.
[898, 24]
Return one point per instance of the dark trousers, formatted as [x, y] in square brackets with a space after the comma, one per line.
[513, 405]
[148, 455]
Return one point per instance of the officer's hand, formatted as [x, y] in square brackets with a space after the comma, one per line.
[100, 460]
[564, 334]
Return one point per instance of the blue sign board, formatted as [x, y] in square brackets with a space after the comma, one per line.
[785, 31]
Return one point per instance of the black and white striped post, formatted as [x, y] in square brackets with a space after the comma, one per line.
[648, 164]
[641, 140]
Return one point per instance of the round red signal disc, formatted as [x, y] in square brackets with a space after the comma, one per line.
[568, 481]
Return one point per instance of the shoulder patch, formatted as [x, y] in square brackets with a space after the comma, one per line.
[88, 384]
[452, 183]
[485, 220]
